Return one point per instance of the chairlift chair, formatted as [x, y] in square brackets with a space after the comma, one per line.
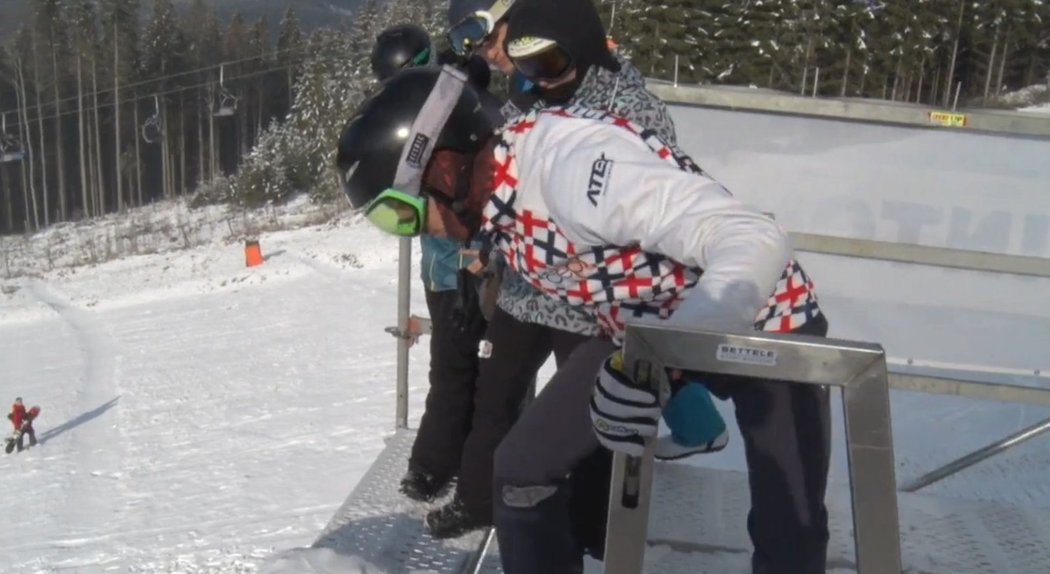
[227, 106]
[152, 130]
[227, 101]
[11, 150]
[10, 147]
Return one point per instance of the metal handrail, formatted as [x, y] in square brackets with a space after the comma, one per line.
[977, 456]
[404, 342]
[948, 386]
[921, 254]
[1003, 392]
[959, 387]
[858, 368]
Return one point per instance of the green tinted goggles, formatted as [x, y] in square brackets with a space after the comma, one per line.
[397, 213]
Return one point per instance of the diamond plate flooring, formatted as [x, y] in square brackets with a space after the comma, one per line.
[697, 526]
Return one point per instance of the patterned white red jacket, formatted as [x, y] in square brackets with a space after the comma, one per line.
[593, 210]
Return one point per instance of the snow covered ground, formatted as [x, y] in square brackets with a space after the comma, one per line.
[1029, 99]
[196, 413]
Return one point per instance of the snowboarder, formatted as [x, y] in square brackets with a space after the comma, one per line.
[455, 334]
[22, 421]
[595, 211]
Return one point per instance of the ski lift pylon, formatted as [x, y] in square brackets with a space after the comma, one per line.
[227, 101]
[10, 147]
[152, 129]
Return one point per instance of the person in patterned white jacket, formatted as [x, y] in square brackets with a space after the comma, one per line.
[594, 211]
[526, 326]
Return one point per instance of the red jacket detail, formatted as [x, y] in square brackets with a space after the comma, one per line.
[18, 414]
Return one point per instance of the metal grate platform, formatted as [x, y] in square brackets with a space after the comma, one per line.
[382, 527]
[698, 526]
[703, 510]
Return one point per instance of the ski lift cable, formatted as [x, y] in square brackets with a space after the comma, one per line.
[104, 91]
[131, 99]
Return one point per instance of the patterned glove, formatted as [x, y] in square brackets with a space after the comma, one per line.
[622, 413]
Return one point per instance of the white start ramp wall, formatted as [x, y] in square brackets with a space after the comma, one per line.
[941, 188]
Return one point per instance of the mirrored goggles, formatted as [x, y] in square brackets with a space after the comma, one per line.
[470, 33]
[551, 63]
[397, 213]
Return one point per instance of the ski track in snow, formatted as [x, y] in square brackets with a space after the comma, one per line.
[250, 402]
[95, 441]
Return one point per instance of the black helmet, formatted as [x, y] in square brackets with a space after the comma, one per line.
[401, 46]
[372, 155]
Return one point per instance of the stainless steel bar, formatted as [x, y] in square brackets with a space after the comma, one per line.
[404, 303]
[873, 484]
[477, 561]
[922, 254]
[631, 487]
[859, 368]
[977, 456]
[797, 358]
[971, 389]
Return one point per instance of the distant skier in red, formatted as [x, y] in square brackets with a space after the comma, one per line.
[22, 420]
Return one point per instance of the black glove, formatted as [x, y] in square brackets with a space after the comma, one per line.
[466, 316]
[474, 66]
[447, 57]
[478, 71]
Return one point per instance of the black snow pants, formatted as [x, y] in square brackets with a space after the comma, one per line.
[510, 355]
[446, 419]
[27, 430]
[786, 432]
[476, 395]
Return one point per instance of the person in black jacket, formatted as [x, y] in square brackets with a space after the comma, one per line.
[455, 335]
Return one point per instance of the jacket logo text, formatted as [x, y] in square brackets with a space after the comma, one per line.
[600, 171]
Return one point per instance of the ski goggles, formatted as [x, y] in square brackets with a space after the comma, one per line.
[398, 213]
[551, 62]
[470, 32]
[419, 60]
